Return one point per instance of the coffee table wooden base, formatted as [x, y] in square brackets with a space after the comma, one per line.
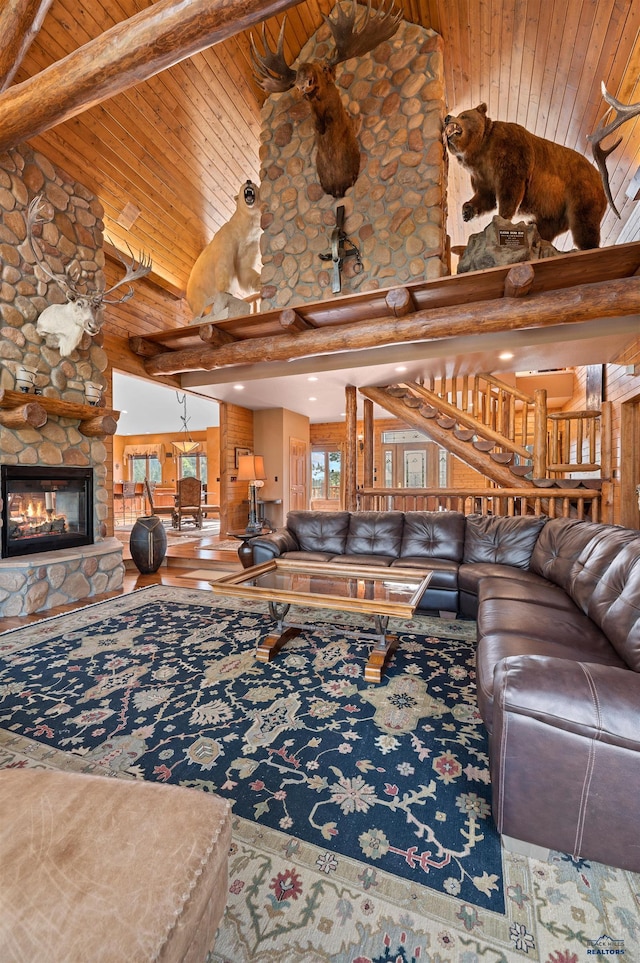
[269, 647]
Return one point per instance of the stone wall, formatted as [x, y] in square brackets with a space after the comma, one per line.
[71, 239]
[395, 212]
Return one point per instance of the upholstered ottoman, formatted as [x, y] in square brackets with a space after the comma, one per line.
[109, 870]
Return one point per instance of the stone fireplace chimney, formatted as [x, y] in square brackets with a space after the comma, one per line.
[72, 239]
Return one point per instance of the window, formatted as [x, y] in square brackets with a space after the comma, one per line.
[193, 466]
[146, 466]
[325, 474]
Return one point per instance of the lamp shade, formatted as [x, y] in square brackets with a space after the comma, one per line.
[251, 468]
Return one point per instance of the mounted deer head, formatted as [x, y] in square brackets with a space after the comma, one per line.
[337, 149]
[63, 325]
[625, 112]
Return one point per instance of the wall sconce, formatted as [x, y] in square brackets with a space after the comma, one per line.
[26, 380]
[251, 469]
[93, 393]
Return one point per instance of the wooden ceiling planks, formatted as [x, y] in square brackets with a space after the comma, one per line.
[179, 145]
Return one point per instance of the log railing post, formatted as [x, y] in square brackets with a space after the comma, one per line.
[351, 449]
[540, 434]
[367, 472]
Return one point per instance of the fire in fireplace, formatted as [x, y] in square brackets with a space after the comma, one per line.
[45, 509]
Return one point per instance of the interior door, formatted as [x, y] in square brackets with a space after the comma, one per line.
[298, 494]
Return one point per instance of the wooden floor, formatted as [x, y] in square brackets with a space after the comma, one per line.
[181, 558]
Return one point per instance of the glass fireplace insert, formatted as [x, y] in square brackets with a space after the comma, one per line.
[45, 509]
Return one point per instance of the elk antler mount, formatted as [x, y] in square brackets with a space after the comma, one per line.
[63, 325]
[624, 113]
[337, 148]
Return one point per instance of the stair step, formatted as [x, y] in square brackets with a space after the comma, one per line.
[520, 470]
[502, 457]
[396, 391]
[428, 411]
[481, 444]
[412, 402]
[447, 421]
[465, 434]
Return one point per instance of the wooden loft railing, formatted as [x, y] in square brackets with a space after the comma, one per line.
[567, 503]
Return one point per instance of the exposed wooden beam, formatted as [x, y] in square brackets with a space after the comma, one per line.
[132, 51]
[603, 299]
[20, 21]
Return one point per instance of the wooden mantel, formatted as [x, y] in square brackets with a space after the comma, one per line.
[570, 288]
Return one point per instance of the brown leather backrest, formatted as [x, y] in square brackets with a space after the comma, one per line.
[501, 540]
[614, 604]
[320, 531]
[375, 533]
[433, 535]
[559, 545]
[594, 560]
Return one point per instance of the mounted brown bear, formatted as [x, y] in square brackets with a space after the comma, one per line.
[521, 173]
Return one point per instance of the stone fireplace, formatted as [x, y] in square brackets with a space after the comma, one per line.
[52, 439]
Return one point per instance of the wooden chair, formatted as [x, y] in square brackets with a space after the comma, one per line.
[188, 504]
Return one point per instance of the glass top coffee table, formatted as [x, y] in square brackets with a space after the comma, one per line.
[379, 592]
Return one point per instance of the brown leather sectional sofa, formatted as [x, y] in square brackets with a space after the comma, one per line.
[557, 604]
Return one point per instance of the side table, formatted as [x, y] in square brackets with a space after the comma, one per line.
[245, 552]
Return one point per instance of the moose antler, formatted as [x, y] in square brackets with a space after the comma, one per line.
[271, 70]
[65, 280]
[133, 271]
[372, 31]
[624, 112]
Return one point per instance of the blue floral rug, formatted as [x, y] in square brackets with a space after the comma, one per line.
[165, 686]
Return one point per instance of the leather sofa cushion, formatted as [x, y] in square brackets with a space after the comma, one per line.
[469, 575]
[433, 535]
[444, 573]
[359, 560]
[307, 556]
[501, 540]
[558, 546]
[320, 531]
[520, 589]
[375, 533]
[615, 604]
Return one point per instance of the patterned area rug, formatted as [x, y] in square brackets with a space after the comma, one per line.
[291, 899]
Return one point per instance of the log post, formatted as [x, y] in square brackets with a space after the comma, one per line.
[29, 415]
[540, 434]
[367, 474]
[351, 449]
[606, 452]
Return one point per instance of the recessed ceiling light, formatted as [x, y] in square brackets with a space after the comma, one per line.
[312, 398]
[312, 378]
[506, 355]
[238, 387]
[401, 368]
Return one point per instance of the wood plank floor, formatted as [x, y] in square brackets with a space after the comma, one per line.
[181, 558]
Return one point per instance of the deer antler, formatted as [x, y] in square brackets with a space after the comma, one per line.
[133, 271]
[271, 70]
[373, 30]
[625, 112]
[65, 281]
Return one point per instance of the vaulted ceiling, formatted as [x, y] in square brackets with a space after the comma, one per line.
[177, 147]
[166, 157]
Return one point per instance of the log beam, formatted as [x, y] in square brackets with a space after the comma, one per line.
[29, 415]
[290, 320]
[519, 280]
[98, 426]
[214, 336]
[400, 302]
[145, 348]
[570, 306]
[158, 37]
[20, 22]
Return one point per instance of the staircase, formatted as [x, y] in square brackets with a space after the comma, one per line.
[504, 434]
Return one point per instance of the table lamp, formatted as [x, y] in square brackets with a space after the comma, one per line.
[251, 469]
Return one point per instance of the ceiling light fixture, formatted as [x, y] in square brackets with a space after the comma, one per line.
[185, 445]
[505, 355]
[238, 387]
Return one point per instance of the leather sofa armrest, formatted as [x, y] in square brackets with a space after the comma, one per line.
[270, 546]
[591, 700]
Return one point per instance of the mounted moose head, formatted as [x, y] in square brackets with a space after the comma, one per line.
[337, 149]
[63, 325]
[625, 112]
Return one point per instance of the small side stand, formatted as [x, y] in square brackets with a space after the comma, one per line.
[339, 253]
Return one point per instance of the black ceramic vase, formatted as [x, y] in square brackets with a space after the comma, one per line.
[148, 543]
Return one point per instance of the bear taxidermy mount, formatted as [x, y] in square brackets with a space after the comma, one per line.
[521, 173]
[228, 269]
[337, 148]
